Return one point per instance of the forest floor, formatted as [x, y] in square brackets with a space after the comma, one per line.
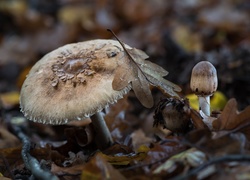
[176, 35]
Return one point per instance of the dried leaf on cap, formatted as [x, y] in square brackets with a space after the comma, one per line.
[141, 74]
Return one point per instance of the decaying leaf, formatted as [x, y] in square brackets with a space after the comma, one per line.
[189, 158]
[197, 120]
[72, 170]
[141, 74]
[126, 159]
[126, 73]
[231, 118]
[142, 90]
[99, 168]
[139, 138]
[203, 139]
[7, 139]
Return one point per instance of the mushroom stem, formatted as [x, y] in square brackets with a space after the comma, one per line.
[103, 137]
[204, 103]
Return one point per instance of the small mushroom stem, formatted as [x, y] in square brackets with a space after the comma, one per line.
[103, 137]
[204, 103]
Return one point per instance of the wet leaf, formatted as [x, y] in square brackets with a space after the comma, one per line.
[80, 135]
[99, 168]
[7, 139]
[118, 148]
[126, 159]
[161, 151]
[229, 143]
[139, 138]
[62, 171]
[231, 118]
[189, 158]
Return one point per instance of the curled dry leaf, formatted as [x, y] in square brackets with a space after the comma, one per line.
[81, 136]
[134, 69]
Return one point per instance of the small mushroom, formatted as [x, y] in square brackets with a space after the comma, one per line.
[204, 83]
[74, 82]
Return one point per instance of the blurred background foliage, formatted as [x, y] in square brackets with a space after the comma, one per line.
[175, 34]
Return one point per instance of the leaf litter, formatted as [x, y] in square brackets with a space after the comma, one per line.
[70, 154]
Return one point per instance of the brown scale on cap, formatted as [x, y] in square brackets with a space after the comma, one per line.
[73, 67]
[72, 82]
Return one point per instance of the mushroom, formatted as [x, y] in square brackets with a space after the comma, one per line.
[74, 82]
[79, 80]
[204, 83]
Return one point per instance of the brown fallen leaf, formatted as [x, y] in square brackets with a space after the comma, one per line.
[126, 159]
[76, 139]
[162, 151]
[139, 138]
[229, 143]
[134, 69]
[7, 139]
[80, 135]
[231, 118]
[126, 73]
[197, 120]
[99, 168]
[62, 171]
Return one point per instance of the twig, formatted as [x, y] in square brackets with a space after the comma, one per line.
[30, 162]
[228, 158]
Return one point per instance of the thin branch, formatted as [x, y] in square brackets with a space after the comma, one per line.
[30, 162]
[228, 158]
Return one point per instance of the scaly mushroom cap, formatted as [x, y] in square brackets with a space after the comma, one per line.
[204, 79]
[72, 82]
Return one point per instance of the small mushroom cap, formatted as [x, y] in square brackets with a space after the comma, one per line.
[204, 79]
[72, 82]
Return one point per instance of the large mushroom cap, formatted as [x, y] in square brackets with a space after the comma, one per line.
[72, 82]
